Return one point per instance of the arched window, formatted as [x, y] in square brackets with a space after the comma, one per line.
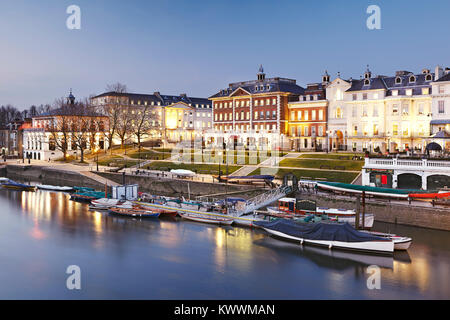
[412, 79]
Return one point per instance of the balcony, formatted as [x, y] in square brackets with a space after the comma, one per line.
[398, 163]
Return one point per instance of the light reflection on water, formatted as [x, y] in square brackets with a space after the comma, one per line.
[43, 232]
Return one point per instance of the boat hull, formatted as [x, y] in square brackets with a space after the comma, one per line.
[210, 220]
[379, 247]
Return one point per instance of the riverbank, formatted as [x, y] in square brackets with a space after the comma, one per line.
[384, 210]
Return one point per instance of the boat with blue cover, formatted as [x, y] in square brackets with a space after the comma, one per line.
[17, 186]
[331, 235]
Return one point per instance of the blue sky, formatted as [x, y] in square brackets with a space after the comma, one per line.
[199, 46]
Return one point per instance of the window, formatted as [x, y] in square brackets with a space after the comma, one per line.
[293, 131]
[398, 80]
[441, 89]
[425, 90]
[354, 111]
[395, 109]
[274, 101]
[256, 103]
[237, 115]
[355, 130]
[339, 113]
[365, 95]
[313, 131]
[274, 114]
[267, 101]
[366, 82]
[428, 77]
[412, 79]
[395, 129]
[405, 109]
[441, 108]
[299, 116]
[313, 115]
[375, 111]
[268, 114]
[248, 115]
[320, 131]
[261, 114]
[256, 115]
[226, 116]
[215, 117]
[409, 92]
[320, 114]
[421, 110]
[405, 130]
[306, 131]
[306, 115]
[394, 93]
[375, 129]
[364, 114]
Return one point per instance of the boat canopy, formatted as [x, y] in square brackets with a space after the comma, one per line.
[318, 231]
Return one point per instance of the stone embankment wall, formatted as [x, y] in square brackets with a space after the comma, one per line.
[177, 187]
[47, 175]
[385, 211]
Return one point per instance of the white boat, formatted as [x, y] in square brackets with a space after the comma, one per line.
[286, 229]
[182, 172]
[206, 219]
[4, 180]
[400, 243]
[105, 204]
[54, 188]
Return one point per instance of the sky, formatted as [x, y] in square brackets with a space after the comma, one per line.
[198, 47]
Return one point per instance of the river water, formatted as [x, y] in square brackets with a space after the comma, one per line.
[42, 233]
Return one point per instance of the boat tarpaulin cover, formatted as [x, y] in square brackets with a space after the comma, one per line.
[318, 231]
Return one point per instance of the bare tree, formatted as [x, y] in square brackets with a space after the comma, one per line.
[60, 126]
[114, 110]
[142, 123]
[124, 126]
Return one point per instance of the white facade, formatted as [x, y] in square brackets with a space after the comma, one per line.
[337, 114]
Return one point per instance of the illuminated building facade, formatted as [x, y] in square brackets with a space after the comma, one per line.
[440, 123]
[307, 126]
[250, 112]
[174, 118]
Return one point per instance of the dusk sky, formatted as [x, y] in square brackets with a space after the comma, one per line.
[197, 47]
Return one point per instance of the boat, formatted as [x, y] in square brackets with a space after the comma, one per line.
[182, 172]
[332, 235]
[298, 208]
[54, 188]
[245, 179]
[18, 186]
[400, 243]
[374, 191]
[105, 204]
[206, 219]
[433, 195]
[135, 213]
[4, 180]
[82, 197]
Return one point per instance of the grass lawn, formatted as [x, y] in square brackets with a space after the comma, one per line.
[198, 168]
[117, 161]
[337, 156]
[350, 165]
[149, 154]
[335, 176]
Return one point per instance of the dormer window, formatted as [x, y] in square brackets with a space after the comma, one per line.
[256, 88]
[366, 82]
[412, 79]
[398, 80]
[428, 77]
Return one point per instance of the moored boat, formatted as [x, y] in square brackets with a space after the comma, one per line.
[400, 243]
[331, 235]
[207, 219]
[105, 204]
[54, 188]
[18, 186]
[134, 213]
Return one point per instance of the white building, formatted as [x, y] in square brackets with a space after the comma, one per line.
[440, 123]
[402, 173]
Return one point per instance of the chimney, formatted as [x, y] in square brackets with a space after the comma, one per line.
[438, 72]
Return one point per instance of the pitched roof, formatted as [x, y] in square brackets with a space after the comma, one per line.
[444, 78]
[157, 97]
[262, 86]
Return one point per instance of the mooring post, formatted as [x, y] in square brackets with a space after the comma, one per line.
[363, 209]
[358, 209]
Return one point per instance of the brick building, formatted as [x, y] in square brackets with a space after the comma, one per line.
[251, 112]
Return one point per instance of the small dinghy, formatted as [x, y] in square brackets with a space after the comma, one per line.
[54, 188]
[331, 235]
[204, 219]
[105, 204]
[135, 213]
[18, 186]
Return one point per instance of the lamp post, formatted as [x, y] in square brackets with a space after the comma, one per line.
[97, 160]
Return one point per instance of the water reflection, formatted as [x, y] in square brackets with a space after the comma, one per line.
[193, 260]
